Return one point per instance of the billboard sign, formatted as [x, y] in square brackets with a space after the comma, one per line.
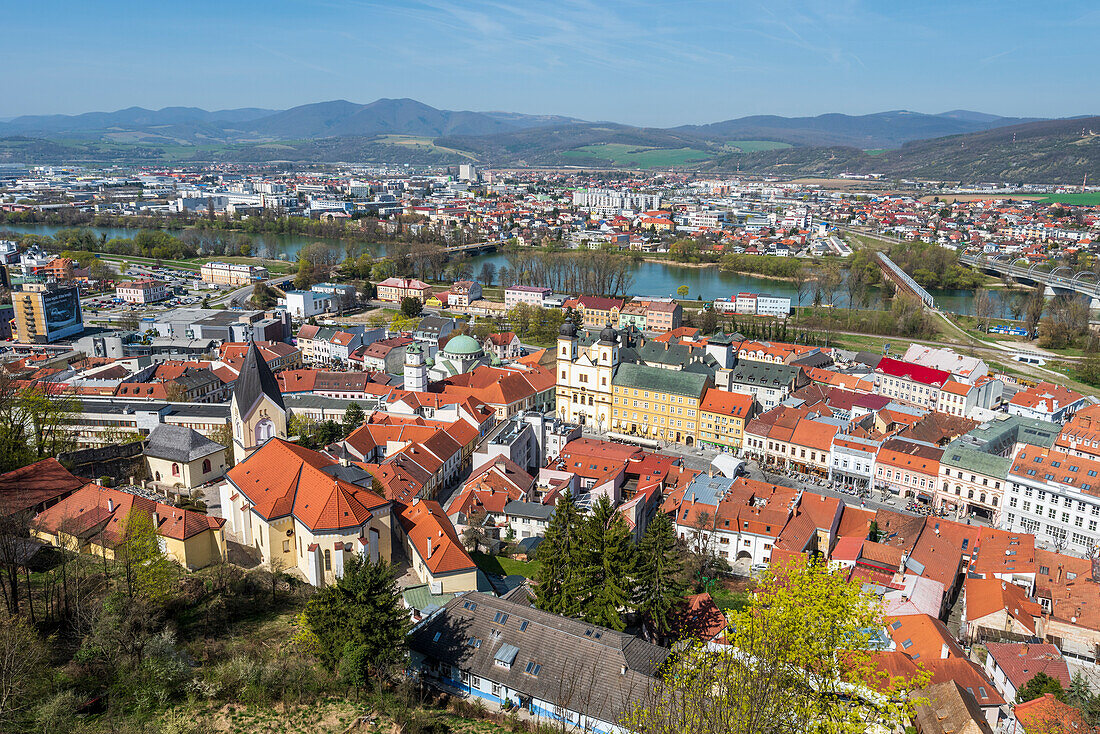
[62, 313]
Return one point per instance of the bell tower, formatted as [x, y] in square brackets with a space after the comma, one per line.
[416, 371]
[256, 410]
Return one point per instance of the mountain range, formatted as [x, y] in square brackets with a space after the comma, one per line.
[897, 142]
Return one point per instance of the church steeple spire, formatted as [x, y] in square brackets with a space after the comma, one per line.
[256, 409]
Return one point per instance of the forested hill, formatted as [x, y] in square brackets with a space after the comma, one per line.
[1048, 151]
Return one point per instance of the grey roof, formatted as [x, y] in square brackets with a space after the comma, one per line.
[677, 355]
[433, 325]
[612, 670]
[983, 449]
[256, 379]
[535, 510]
[765, 374]
[179, 443]
[660, 380]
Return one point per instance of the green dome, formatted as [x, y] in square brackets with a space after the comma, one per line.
[463, 346]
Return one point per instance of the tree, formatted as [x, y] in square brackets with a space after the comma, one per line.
[264, 296]
[358, 621]
[797, 661]
[1088, 371]
[146, 568]
[1039, 685]
[474, 536]
[607, 558]
[1033, 313]
[24, 662]
[353, 417]
[657, 585]
[411, 307]
[558, 578]
[983, 308]
[683, 291]
[708, 321]
[488, 273]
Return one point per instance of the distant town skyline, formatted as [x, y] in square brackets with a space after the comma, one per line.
[631, 61]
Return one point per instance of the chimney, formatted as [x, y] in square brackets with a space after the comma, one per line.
[110, 505]
[429, 546]
[945, 651]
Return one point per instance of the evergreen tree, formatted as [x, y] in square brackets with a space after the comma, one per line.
[1040, 684]
[657, 586]
[606, 561]
[557, 553]
[353, 417]
[358, 621]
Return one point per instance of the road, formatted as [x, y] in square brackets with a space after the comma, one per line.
[239, 296]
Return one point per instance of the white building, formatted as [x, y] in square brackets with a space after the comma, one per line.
[529, 294]
[1056, 497]
[142, 291]
[303, 304]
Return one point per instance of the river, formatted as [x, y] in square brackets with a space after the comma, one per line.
[650, 278]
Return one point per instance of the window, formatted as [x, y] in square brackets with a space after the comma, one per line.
[523, 626]
[469, 605]
[501, 618]
[206, 466]
[328, 559]
[175, 470]
[533, 669]
[286, 546]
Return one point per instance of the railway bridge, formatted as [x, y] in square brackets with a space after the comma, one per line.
[1058, 282]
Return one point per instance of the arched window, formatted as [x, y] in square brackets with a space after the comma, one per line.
[982, 498]
[970, 495]
[206, 466]
[265, 429]
[175, 470]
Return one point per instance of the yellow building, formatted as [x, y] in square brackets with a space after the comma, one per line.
[46, 312]
[658, 404]
[303, 511]
[231, 273]
[435, 551]
[93, 520]
[181, 457]
[722, 418]
[256, 410]
[596, 313]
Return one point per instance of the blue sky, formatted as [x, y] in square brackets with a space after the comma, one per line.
[660, 62]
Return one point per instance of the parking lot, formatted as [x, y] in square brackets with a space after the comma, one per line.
[180, 284]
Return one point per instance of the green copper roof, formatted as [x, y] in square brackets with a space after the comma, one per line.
[660, 380]
[463, 345]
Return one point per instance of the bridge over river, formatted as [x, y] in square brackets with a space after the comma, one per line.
[1058, 282]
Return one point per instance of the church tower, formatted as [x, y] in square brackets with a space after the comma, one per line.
[256, 408]
[416, 371]
[567, 342]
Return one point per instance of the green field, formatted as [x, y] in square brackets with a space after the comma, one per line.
[419, 142]
[755, 146]
[875, 151]
[1087, 199]
[618, 154]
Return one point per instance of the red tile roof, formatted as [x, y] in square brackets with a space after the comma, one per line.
[36, 484]
[1022, 661]
[283, 478]
[914, 372]
[434, 537]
